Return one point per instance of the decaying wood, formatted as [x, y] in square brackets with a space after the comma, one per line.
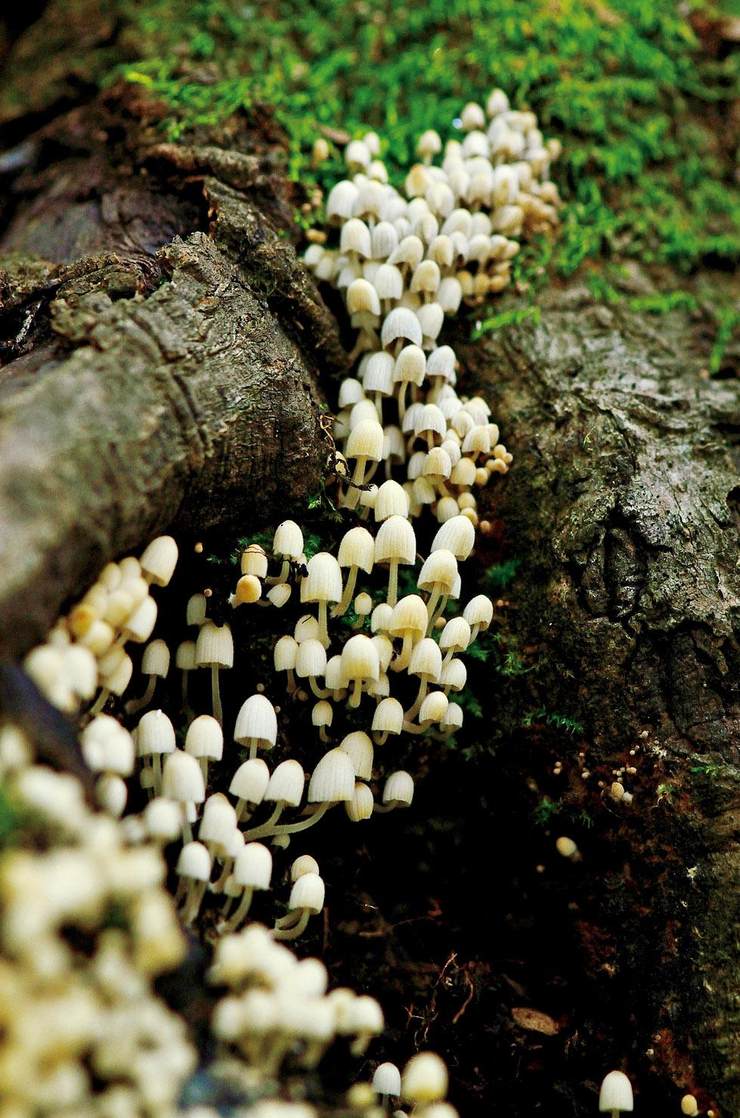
[164, 374]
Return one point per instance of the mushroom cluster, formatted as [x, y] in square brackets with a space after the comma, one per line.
[378, 651]
[86, 926]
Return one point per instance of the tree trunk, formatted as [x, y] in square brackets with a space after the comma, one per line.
[162, 348]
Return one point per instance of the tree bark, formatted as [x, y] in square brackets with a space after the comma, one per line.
[164, 346]
[622, 509]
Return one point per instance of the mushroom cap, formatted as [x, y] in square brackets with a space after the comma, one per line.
[155, 733]
[401, 322]
[388, 717]
[218, 822]
[357, 549]
[214, 646]
[156, 659]
[182, 779]
[409, 615]
[454, 675]
[307, 893]
[205, 738]
[333, 779]
[196, 609]
[256, 722]
[365, 439]
[253, 866]
[360, 807]
[304, 863]
[360, 660]
[310, 659]
[456, 535]
[426, 660]
[285, 653]
[434, 707]
[159, 560]
[194, 862]
[392, 500]
[359, 748]
[424, 1079]
[395, 541]
[288, 540]
[286, 784]
[250, 781]
[455, 635]
[479, 611]
[387, 1080]
[399, 789]
[323, 583]
[439, 569]
[322, 713]
[616, 1093]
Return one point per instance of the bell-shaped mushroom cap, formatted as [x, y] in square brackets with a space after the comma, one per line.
[341, 200]
[365, 1017]
[364, 411]
[250, 781]
[456, 535]
[400, 323]
[307, 893]
[362, 298]
[194, 862]
[365, 441]
[182, 779]
[218, 821]
[214, 646]
[284, 654]
[359, 749]
[288, 540]
[479, 611]
[279, 595]
[163, 819]
[409, 616]
[439, 569]
[387, 1080]
[254, 561]
[196, 609]
[156, 659]
[323, 583]
[388, 717]
[303, 864]
[410, 251]
[355, 237]
[434, 707]
[398, 789]
[395, 541]
[155, 733]
[286, 784]
[410, 365]
[357, 549]
[159, 560]
[380, 618]
[350, 393]
[378, 374]
[388, 282]
[333, 676]
[616, 1093]
[360, 659]
[138, 625]
[424, 1079]
[205, 738]
[454, 675]
[463, 472]
[453, 720]
[392, 500]
[256, 723]
[306, 628]
[107, 746]
[455, 636]
[361, 805]
[385, 650]
[363, 604]
[426, 660]
[253, 866]
[437, 463]
[310, 659]
[322, 713]
[333, 779]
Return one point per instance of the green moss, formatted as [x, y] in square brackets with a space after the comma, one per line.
[624, 84]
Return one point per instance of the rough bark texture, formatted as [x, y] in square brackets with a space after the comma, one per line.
[164, 345]
[622, 509]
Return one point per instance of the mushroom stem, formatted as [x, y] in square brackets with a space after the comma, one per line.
[414, 710]
[157, 767]
[319, 692]
[294, 931]
[217, 886]
[266, 828]
[293, 828]
[347, 595]
[354, 699]
[99, 703]
[402, 399]
[432, 604]
[239, 913]
[137, 704]
[323, 627]
[352, 495]
[218, 713]
[392, 597]
[184, 690]
[402, 660]
[193, 900]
